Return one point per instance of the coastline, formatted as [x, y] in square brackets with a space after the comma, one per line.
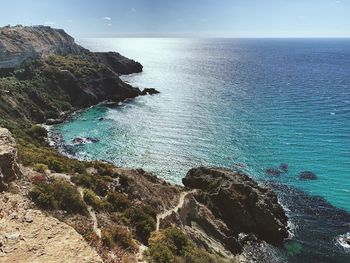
[140, 190]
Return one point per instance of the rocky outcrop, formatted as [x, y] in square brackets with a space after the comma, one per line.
[9, 170]
[89, 90]
[20, 43]
[59, 75]
[229, 209]
[149, 91]
[116, 62]
[240, 202]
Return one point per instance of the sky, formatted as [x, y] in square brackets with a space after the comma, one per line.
[184, 18]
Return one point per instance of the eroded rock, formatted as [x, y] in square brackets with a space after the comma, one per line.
[231, 203]
[9, 169]
[20, 43]
[34, 236]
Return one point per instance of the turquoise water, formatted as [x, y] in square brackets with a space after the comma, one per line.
[225, 102]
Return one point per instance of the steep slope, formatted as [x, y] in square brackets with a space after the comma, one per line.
[21, 43]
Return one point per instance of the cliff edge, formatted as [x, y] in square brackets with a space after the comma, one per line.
[9, 170]
[20, 43]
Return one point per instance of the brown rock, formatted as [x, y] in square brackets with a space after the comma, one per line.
[9, 169]
[239, 202]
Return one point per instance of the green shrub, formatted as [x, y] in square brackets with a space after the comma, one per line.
[160, 253]
[58, 195]
[177, 240]
[91, 199]
[37, 133]
[123, 180]
[40, 167]
[172, 245]
[143, 220]
[119, 202]
[118, 235]
[97, 183]
[107, 239]
[55, 165]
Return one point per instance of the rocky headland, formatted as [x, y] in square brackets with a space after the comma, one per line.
[56, 209]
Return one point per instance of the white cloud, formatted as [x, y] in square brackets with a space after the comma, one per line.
[107, 18]
[109, 24]
[133, 9]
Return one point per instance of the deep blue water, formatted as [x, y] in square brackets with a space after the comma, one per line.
[252, 102]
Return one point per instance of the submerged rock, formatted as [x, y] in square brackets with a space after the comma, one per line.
[273, 172]
[282, 169]
[307, 175]
[82, 140]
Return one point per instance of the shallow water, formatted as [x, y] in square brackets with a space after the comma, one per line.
[223, 102]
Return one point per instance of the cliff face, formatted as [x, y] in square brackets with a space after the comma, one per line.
[227, 211]
[9, 170]
[19, 43]
[29, 235]
[45, 70]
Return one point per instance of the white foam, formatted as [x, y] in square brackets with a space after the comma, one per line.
[342, 241]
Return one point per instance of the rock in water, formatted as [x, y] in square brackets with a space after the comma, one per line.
[307, 175]
[149, 91]
[9, 169]
[82, 140]
[239, 202]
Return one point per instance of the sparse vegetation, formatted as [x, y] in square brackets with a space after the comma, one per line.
[143, 219]
[119, 236]
[97, 183]
[118, 201]
[40, 167]
[97, 203]
[58, 195]
[173, 246]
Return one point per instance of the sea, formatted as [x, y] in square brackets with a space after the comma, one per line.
[244, 104]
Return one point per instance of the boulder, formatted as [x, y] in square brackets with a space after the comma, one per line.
[9, 169]
[239, 202]
[149, 91]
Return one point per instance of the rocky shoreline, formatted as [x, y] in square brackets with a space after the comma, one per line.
[219, 216]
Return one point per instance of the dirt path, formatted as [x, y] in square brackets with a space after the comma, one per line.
[92, 214]
[175, 209]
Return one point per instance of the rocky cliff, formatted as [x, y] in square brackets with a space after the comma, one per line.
[45, 70]
[118, 211]
[225, 210]
[21, 43]
[9, 170]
